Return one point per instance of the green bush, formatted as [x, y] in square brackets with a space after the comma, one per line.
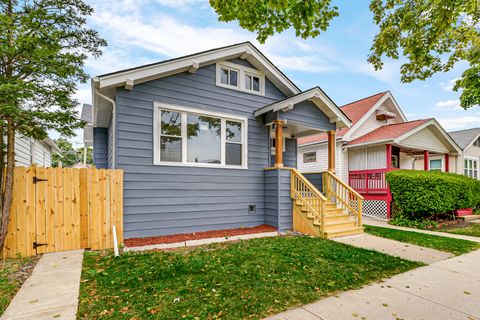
[422, 194]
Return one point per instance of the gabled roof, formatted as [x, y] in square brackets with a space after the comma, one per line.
[318, 97]
[86, 114]
[396, 133]
[465, 137]
[103, 85]
[354, 111]
[388, 132]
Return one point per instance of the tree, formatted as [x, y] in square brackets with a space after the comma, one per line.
[68, 156]
[43, 47]
[434, 35]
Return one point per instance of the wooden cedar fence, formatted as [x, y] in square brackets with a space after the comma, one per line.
[58, 209]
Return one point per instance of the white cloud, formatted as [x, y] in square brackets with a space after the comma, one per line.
[452, 104]
[180, 4]
[459, 123]
[389, 74]
[448, 86]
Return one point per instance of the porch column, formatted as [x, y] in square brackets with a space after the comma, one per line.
[447, 162]
[389, 156]
[331, 151]
[426, 164]
[278, 143]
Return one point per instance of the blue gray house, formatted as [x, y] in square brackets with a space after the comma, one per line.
[208, 142]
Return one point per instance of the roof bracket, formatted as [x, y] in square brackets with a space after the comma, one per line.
[194, 67]
[129, 84]
[246, 54]
[288, 107]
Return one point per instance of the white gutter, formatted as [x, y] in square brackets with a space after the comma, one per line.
[113, 123]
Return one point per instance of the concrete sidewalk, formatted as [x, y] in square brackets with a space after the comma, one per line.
[380, 223]
[395, 248]
[52, 290]
[446, 290]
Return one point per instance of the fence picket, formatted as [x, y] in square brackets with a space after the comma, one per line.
[71, 209]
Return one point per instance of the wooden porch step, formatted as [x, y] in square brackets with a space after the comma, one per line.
[343, 232]
[469, 217]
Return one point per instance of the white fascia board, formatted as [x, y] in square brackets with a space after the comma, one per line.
[360, 122]
[147, 73]
[358, 145]
[311, 94]
[48, 141]
[434, 123]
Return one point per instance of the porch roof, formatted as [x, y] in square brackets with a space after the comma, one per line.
[396, 133]
[318, 98]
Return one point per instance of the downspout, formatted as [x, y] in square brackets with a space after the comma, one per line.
[113, 124]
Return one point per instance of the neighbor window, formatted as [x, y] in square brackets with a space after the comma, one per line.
[188, 137]
[471, 168]
[436, 165]
[240, 77]
[309, 157]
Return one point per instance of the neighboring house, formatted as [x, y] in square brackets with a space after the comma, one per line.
[29, 151]
[194, 135]
[469, 142]
[380, 139]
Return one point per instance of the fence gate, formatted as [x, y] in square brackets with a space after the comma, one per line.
[58, 209]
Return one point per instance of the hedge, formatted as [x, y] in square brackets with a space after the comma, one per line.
[425, 193]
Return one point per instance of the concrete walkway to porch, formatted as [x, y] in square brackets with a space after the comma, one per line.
[446, 290]
[52, 290]
[381, 223]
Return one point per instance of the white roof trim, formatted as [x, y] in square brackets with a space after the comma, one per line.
[315, 95]
[191, 63]
[52, 145]
[434, 123]
[387, 95]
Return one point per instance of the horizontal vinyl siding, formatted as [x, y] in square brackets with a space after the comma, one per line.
[100, 148]
[308, 114]
[278, 202]
[110, 144]
[425, 139]
[162, 200]
[22, 151]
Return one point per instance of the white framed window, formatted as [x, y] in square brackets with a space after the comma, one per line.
[310, 157]
[435, 165]
[470, 167]
[238, 77]
[191, 137]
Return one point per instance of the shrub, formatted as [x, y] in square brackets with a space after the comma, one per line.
[422, 194]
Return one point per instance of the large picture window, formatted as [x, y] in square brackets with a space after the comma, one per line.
[435, 165]
[470, 168]
[190, 137]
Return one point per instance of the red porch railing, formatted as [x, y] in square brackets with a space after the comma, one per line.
[369, 181]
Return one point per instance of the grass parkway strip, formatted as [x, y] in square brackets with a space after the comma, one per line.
[242, 280]
[455, 246]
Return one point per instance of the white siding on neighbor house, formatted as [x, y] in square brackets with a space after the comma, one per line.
[418, 162]
[472, 152]
[425, 138]
[28, 151]
[371, 123]
[406, 161]
[322, 159]
[367, 158]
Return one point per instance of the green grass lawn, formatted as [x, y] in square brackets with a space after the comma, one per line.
[13, 273]
[242, 280]
[470, 230]
[455, 246]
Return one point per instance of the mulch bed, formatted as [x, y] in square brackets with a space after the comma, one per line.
[138, 242]
[25, 270]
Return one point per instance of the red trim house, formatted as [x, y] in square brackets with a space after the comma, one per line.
[381, 139]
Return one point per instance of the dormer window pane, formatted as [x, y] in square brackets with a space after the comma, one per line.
[256, 84]
[224, 76]
[233, 78]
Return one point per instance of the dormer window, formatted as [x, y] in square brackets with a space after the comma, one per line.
[229, 76]
[252, 83]
[239, 77]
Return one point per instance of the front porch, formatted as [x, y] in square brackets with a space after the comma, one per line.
[319, 204]
[371, 182]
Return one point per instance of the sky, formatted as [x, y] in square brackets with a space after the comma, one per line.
[146, 31]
